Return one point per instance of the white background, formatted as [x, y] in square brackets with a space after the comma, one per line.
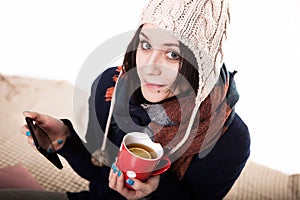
[52, 39]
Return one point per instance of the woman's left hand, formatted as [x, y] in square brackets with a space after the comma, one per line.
[141, 189]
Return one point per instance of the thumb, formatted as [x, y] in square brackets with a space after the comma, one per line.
[33, 115]
[147, 187]
[138, 185]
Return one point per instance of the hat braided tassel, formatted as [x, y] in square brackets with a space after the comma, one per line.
[101, 156]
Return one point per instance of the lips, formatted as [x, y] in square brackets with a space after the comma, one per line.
[154, 85]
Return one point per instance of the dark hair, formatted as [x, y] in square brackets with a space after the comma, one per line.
[188, 68]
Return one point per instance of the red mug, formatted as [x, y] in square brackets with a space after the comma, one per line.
[139, 157]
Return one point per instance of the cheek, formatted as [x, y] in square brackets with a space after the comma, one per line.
[170, 73]
[140, 58]
[139, 63]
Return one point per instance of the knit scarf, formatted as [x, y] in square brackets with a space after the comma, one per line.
[170, 119]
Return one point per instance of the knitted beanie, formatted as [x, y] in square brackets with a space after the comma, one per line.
[200, 25]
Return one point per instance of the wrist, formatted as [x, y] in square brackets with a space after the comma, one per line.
[67, 126]
[66, 131]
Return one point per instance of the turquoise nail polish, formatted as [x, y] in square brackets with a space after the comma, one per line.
[114, 168]
[60, 141]
[119, 173]
[49, 150]
[129, 181]
[28, 133]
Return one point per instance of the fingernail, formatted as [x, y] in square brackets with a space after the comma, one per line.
[129, 181]
[49, 150]
[119, 173]
[114, 168]
[60, 141]
[28, 133]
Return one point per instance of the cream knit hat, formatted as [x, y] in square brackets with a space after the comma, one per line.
[200, 25]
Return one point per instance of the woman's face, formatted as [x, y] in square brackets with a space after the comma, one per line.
[158, 60]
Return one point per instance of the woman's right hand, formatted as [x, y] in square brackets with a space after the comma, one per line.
[55, 129]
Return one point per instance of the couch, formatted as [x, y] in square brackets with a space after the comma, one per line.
[22, 167]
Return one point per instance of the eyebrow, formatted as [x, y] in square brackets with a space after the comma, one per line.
[165, 44]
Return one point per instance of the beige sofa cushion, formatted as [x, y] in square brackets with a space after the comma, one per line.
[259, 182]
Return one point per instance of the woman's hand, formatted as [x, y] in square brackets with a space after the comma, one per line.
[141, 189]
[55, 129]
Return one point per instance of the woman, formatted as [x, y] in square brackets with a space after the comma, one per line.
[174, 86]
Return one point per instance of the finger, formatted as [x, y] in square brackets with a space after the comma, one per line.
[25, 130]
[145, 187]
[123, 190]
[120, 181]
[111, 171]
[110, 174]
[133, 193]
[31, 142]
[113, 177]
[136, 184]
[57, 144]
[34, 116]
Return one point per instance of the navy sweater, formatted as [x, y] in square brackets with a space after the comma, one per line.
[209, 178]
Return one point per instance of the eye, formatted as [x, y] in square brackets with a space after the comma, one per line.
[173, 55]
[145, 45]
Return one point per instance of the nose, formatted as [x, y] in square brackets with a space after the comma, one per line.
[153, 63]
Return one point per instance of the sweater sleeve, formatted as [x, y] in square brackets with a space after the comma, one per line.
[79, 158]
[78, 153]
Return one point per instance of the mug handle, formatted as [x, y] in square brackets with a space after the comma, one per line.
[163, 168]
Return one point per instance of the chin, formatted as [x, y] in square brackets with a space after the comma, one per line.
[152, 97]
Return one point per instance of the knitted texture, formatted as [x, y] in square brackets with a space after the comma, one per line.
[201, 25]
